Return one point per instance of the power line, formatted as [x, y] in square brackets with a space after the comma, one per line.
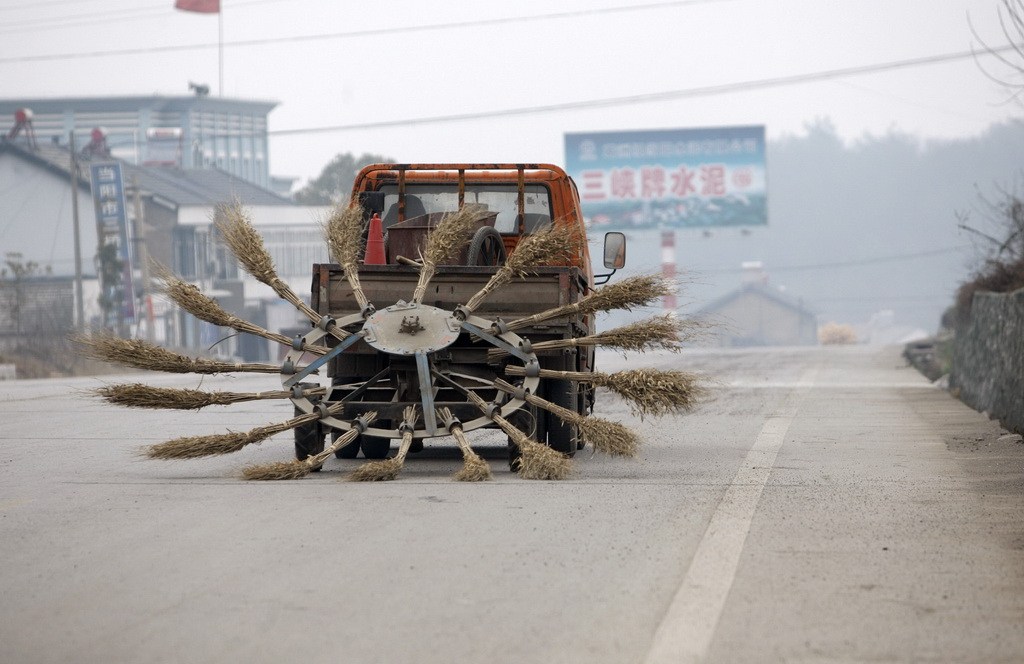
[165, 10]
[873, 261]
[669, 95]
[54, 3]
[887, 298]
[835, 264]
[36, 25]
[27, 24]
[358, 33]
[35, 5]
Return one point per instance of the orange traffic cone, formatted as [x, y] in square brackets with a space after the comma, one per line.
[375, 243]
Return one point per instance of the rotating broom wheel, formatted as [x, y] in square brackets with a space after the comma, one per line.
[409, 336]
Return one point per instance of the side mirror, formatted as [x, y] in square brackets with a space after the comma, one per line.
[614, 250]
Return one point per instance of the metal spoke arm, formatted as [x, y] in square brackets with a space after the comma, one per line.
[320, 361]
[426, 392]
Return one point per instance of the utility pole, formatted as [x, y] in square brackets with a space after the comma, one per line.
[143, 254]
[79, 300]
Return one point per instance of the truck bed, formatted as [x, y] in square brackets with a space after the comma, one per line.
[451, 286]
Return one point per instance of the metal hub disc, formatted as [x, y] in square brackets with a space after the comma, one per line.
[407, 329]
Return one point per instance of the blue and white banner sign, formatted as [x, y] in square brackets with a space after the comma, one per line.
[672, 178]
[112, 224]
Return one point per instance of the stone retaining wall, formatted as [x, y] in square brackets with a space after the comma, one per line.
[988, 363]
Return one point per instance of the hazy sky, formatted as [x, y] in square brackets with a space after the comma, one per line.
[512, 58]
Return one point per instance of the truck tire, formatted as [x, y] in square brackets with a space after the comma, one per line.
[525, 419]
[309, 438]
[561, 436]
[374, 447]
[350, 451]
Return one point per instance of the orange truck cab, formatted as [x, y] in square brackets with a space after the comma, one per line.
[523, 196]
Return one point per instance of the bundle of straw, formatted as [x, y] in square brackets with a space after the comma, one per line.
[205, 308]
[649, 391]
[141, 355]
[637, 291]
[449, 236]
[247, 246]
[192, 447]
[538, 462]
[555, 243]
[293, 470]
[474, 468]
[388, 469]
[606, 436]
[343, 233]
[279, 470]
[138, 395]
[664, 331]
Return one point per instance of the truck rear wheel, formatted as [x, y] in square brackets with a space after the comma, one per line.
[527, 420]
[350, 451]
[561, 436]
[374, 447]
[309, 438]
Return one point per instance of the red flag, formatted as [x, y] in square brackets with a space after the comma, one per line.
[201, 6]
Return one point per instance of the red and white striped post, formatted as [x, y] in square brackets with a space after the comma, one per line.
[668, 266]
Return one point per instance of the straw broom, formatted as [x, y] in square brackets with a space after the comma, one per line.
[388, 469]
[295, 469]
[137, 395]
[538, 462]
[606, 436]
[247, 246]
[205, 308]
[637, 291]
[141, 355]
[474, 468]
[192, 447]
[664, 331]
[650, 391]
[343, 233]
[450, 235]
[554, 243]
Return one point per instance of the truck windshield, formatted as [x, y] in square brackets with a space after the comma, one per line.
[428, 198]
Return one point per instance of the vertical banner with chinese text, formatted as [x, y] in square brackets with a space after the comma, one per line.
[112, 224]
[672, 178]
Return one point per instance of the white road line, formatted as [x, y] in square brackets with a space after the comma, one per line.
[685, 632]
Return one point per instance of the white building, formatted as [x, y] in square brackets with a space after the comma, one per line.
[177, 206]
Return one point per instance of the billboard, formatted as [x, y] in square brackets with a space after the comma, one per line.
[671, 178]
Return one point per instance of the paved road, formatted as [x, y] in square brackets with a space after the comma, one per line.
[826, 505]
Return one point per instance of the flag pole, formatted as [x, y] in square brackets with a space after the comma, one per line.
[220, 50]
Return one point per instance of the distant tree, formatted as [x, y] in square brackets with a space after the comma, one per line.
[1002, 267]
[335, 181]
[1009, 71]
[13, 275]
